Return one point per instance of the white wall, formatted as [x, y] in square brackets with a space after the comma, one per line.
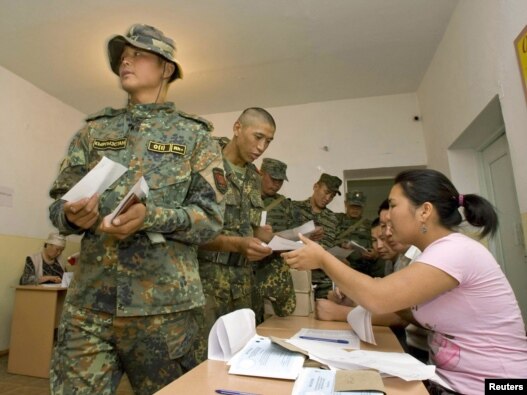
[475, 61]
[35, 131]
[359, 133]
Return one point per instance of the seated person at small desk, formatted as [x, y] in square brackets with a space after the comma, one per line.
[45, 267]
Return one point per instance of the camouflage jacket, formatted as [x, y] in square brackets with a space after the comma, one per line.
[243, 206]
[282, 216]
[178, 159]
[326, 218]
[358, 230]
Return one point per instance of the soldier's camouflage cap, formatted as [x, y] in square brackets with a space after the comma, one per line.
[356, 198]
[332, 182]
[148, 38]
[275, 168]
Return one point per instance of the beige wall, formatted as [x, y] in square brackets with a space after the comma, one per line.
[476, 61]
[35, 131]
[13, 253]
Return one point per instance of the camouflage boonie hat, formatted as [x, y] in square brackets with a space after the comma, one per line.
[275, 168]
[148, 38]
[332, 182]
[355, 198]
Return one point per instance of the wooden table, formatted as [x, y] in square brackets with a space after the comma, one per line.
[36, 314]
[211, 375]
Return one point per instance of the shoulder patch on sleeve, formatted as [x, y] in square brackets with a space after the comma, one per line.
[208, 125]
[219, 180]
[105, 112]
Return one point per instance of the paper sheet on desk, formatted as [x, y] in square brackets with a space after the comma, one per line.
[262, 358]
[360, 320]
[389, 363]
[104, 174]
[322, 382]
[348, 336]
[292, 234]
[230, 333]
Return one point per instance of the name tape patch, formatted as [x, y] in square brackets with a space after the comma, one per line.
[167, 148]
[109, 144]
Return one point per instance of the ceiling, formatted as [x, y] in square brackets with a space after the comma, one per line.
[234, 53]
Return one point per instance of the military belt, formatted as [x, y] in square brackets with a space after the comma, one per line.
[225, 258]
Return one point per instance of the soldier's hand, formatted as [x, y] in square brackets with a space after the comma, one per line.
[125, 224]
[317, 234]
[370, 255]
[252, 248]
[264, 233]
[83, 213]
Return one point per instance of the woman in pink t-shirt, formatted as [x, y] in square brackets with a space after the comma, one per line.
[455, 288]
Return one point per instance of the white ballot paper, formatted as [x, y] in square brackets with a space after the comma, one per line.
[230, 333]
[278, 243]
[263, 218]
[357, 246]
[139, 191]
[388, 363]
[360, 320]
[314, 339]
[292, 234]
[339, 252]
[262, 358]
[104, 174]
[67, 277]
[322, 382]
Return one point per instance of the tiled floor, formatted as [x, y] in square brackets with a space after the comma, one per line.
[14, 384]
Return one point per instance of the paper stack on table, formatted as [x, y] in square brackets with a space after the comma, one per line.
[230, 333]
[331, 382]
[262, 358]
[360, 320]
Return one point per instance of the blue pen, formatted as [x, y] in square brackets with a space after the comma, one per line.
[322, 339]
[230, 392]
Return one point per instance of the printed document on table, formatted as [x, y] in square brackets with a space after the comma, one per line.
[322, 382]
[262, 358]
[389, 363]
[292, 234]
[278, 243]
[104, 174]
[325, 338]
[360, 320]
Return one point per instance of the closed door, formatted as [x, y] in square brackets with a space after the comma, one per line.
[507, 246]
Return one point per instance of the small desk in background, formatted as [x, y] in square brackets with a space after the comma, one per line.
[210, 375]
[36, 314]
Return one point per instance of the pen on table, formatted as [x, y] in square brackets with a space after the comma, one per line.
[323, 339]
[231, 392]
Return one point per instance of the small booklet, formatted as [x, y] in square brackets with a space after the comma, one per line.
[139, 191]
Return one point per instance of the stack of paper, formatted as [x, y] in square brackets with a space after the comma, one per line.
[230, 333]
[360, 320]
[262, 358]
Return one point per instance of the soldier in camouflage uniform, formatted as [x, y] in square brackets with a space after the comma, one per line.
[352, 226]
[273, 279]
[314, 208]
[130, 307]
[224, 263]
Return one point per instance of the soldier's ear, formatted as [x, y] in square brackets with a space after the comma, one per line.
[237, 128]
[168, 70]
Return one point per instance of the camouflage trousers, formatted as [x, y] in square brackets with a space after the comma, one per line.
[226, 288]
[322, 283]
[274, 283]
[94, 349]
